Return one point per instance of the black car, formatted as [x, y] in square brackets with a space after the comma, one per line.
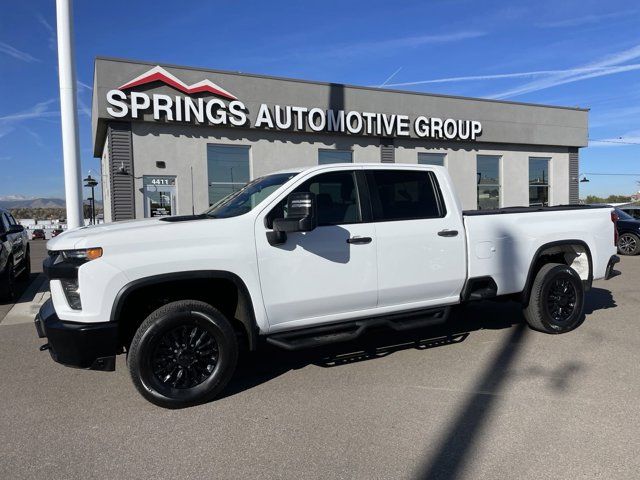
[628, 234]
[15, 259]
[633, 210]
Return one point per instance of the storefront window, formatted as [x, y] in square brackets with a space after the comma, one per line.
[228, 170]
[334, 156]
[431, 159]
[538, 181]
[488, 171]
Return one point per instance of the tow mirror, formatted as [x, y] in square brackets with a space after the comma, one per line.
[301, 217]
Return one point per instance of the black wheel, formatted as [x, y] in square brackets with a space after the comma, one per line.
[556, 303]
[183, 354]
[26, 273]
[628, 244]
[8, 284]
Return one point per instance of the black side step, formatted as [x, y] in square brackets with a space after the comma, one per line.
[347, 331]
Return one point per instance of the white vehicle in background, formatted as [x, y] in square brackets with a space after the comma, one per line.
[303, 258]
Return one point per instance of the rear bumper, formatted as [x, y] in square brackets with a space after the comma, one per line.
[90, 346]
[610, 272]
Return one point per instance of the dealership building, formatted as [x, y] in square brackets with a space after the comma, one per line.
[174, 140]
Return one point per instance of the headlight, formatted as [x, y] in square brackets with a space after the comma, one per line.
[82, 255]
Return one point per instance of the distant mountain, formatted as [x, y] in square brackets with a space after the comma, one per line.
[17, 202]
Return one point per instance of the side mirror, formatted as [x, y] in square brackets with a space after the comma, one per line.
[16, 229]
[301, 217]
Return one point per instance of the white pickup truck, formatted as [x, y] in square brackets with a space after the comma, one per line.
[305, 257]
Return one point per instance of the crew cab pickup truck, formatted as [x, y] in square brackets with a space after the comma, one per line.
[301, 258]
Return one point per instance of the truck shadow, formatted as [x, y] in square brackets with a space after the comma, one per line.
[269, 362]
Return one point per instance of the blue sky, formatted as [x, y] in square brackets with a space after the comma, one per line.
[575, 53]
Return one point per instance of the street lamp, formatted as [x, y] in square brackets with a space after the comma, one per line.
[91, 183]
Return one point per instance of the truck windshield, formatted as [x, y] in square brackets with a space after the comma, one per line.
[248, 197]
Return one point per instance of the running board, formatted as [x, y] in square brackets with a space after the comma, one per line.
[351, 330]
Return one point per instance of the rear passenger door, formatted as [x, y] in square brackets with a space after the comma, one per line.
[420, 245]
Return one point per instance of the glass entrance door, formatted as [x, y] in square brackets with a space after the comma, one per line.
[159, 195]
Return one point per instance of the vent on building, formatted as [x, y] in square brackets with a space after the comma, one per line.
[574, 172]
[387, 151]
[121, 171]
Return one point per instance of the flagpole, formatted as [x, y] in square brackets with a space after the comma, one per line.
[69, 115]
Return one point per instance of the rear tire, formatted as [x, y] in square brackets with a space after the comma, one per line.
[628, 244]
[183, 354]
[556, 303]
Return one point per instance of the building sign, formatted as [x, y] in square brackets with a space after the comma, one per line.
[227, 110]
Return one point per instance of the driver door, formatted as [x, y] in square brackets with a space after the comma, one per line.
[328, 273]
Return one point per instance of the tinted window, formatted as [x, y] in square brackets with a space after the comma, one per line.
[336, 197]
[431, 159]
[334, 156]
[228, 170]
[488, 181]
[403, 195]
[4, 222]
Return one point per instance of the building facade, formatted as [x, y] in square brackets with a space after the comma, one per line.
[174, 140]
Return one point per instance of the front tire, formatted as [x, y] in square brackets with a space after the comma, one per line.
[8, 284]
[629, 244]
[556, 303]
[26, 272]
[183, 354]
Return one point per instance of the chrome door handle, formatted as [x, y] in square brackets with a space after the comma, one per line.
[448, 233]
[359, 240]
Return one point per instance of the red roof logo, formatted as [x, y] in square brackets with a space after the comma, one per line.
[159, 74]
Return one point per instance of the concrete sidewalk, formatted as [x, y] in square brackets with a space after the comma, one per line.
[26, 308]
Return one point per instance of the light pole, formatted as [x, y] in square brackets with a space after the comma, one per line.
[91, 183]
[69, 115]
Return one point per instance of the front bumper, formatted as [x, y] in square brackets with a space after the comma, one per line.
[610, 272]
[91, 346]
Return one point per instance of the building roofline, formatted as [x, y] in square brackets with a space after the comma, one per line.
[314, 82]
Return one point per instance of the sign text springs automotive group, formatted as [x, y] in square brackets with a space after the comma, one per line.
[232, 112]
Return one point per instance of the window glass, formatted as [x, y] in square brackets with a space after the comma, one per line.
[402, 195]
[4, 222]
[334, 156]
[488, 171]
[245, 199]
[538, 181]
[431, 159]
[12, 221]
[228, 170]
[336, 197]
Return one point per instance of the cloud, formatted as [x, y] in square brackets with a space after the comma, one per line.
[50, 30]
[15, 53]
[629, 139]
[609, 65]
[585, 20]
[535, 73]
[40, 111]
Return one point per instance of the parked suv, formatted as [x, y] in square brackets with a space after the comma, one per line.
[15, 260]
[628, 234]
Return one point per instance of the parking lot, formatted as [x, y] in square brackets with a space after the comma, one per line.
[483, 397]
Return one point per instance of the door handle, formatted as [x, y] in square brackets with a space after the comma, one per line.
[359, 240]
[448, 233]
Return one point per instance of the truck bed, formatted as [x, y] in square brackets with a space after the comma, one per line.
[501, 243]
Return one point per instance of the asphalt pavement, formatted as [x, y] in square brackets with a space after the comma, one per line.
[483, 397]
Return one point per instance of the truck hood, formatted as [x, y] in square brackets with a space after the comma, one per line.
[94, 235]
